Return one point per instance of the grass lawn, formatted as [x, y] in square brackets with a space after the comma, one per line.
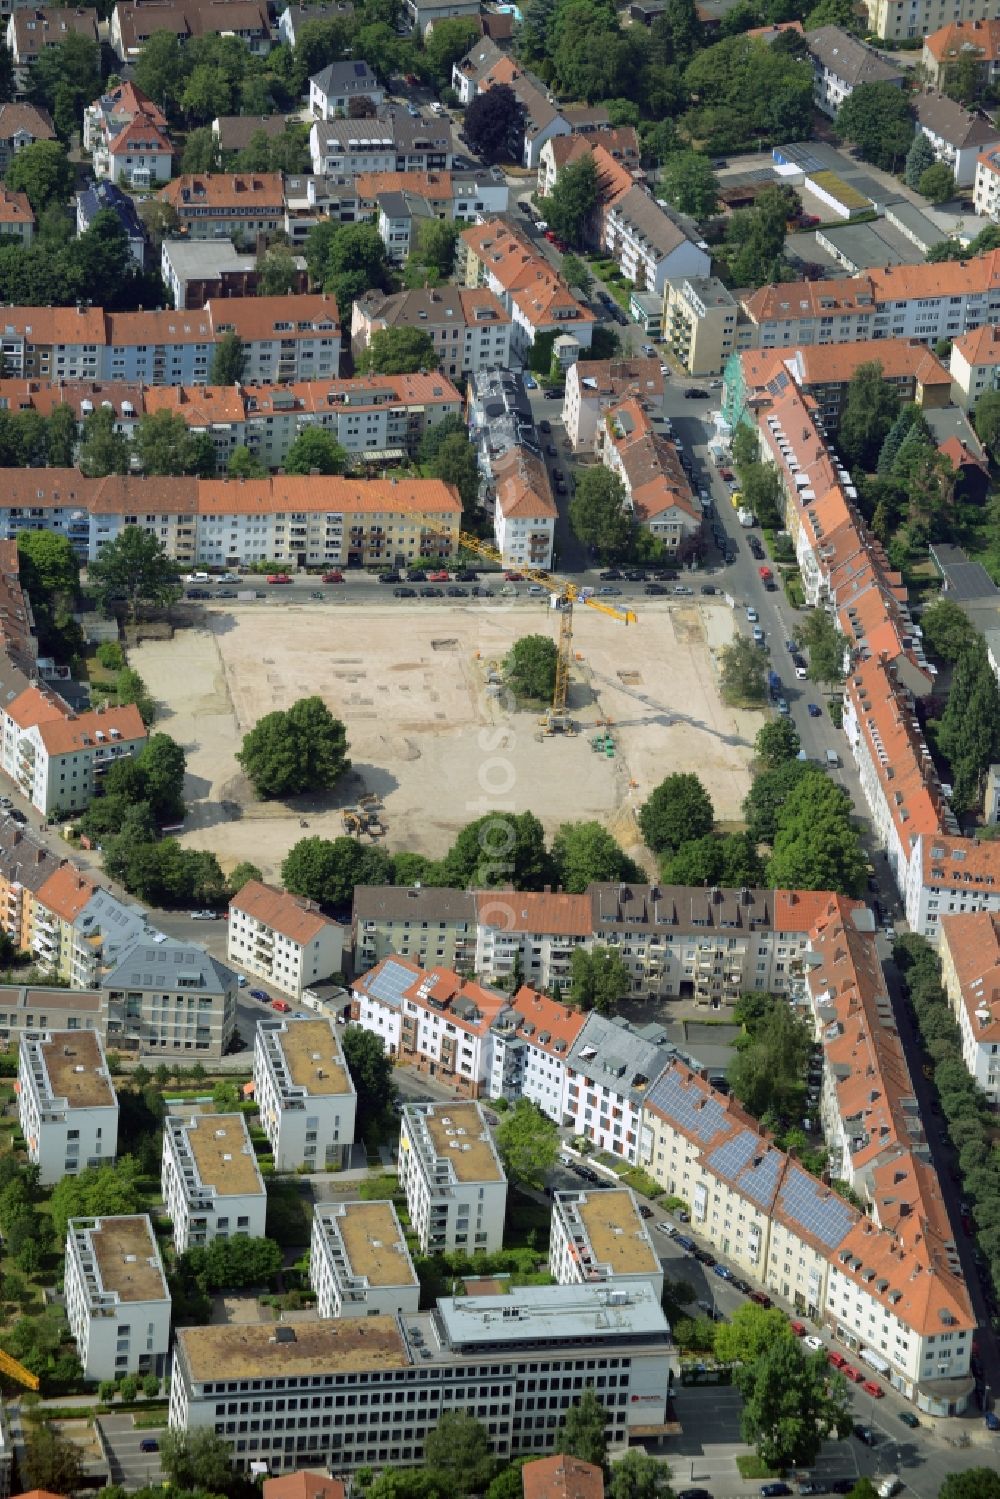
[750, 1466]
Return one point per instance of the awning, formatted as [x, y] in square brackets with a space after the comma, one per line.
[876, 1360]
[381, 455]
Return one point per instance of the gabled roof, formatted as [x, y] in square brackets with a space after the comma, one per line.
[848, 58]
[560, 1477]
[26, 119]
[303, 1485]
[345, 78]
[141, 134]
[224, 191]
[522, 486]
[954, 124]
[292, 916]
[978, 39]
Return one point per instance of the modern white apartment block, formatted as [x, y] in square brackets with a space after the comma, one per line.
[212, 1186]
[456, 1189]
[67, 1105]
[288, 1396]
[282, 938]
[359, 1265]
[531, 1044]
[169, 998]
[970, 971]
[117, 1301]
[304, 1092]
[598, 1236]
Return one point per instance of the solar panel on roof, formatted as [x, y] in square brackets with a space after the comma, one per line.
[390, 982]
[678, 1103]
[760, 1181]
[827, 1218]
[732, 1155]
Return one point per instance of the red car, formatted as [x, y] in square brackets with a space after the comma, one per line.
[766, 574]
[278, 578]
[873, 1389]
[849, 1372]
[560, 245]
[550, 235]
[281, 1005]
[798, 1328]
[726, 475]
[441, 576]
[335, 577]
[761, 1299]
[837, 1360]
[513, 577]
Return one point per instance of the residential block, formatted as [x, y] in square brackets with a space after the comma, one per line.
[359, 1265]
[212, 1186]
[456, 1189]
[117, 1301]
[304, 1093]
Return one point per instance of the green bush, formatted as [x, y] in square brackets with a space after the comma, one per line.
[110, 655]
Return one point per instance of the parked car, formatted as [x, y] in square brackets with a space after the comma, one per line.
[774, 1490]
[992, 1421]
[865, 1434]
[781, 703]
[260, 994]
[441, 575]
[390, 576]
[405, 593]
[842, 1485]
[202, 915]
[695, 393]
[430, 592]
[529, 382]
[812, 1486]
[740, 1285]
[654, 589]
[545, 426]
[813, 1342]
[149, 1444]
[909, 1419]
[510, 576]
[610, 575]
[798, 1328]
[837, 1360]
[761, 1298]
[707, 588]
[281, 1005]
[854, 1375]
[752, 615]
[814, 710]
[722, 1271]
[694, 1494]
[278, 578]
[336, 576]
[645, 1211]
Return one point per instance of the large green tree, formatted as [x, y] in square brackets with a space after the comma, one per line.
[44, 172]
[498, 850]
[371, 1072]
[986, 418]
[969, 732]
[135, 567]
[878, 119]
[585, 853]
[529, 668]
[583, 1432]
[454, 462]
[301, 749]
[494, 124]
[327, 870]
[228, 360]
[817, 845]
[164, 446]
[688, 181]
[871, 407]
[197, 1460]
[919, 157]
[742, 673]
[458, 1450]
[399, 351]
[749, 1331]
[971, 1483]
[315, 450]
[676, 810]
[52, 1462]
[821, 637]
[570, 206]
[599, 979]
[598, 515]
[791, 1404]
[777, 742]
[103, 449]
[639, 1476]
[528, 1143]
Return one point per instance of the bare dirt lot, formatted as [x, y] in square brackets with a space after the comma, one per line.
[427, 735]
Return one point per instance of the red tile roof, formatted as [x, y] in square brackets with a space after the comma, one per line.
[561, 1477]
[296, 918]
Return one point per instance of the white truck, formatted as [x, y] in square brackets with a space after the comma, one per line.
[746, 517]
[888, 1486]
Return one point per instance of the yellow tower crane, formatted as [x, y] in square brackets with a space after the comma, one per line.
[564, 596]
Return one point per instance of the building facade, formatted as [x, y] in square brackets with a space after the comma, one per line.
[117, 1301]
[67, 1105]
[304, 1092]
[282, 938]
[970, 972]
[599, 1237]
[212, 1187]
[359, 1265]
[165, 998]
[456, 1189]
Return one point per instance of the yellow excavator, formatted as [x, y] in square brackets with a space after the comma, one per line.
[565, 595]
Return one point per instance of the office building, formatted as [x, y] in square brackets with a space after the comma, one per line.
[117, 1301]
[599, 1236]
[456, 1189]
[288, 1395]
[359, 1265]
[304, 1093]
[212, 1186]
[67, 1106]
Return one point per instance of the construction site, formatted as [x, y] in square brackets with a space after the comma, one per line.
[434, 739]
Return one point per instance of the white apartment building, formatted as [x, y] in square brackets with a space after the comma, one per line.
[468, 325]
[600, 1237]
[524, 511]
[975, 364]
[117, 1301]
[959, 136]
[164, 997]
[609, 1069]
[970, 972]
[359, 1265]
[212, 1186]
[986, 185]
[282, 938]
[55, 757]
[534, 933]
[699, 323]
[649, 243]
[304, 1093]
[530, 1044]
[510, 1372]
[67, 1106]
[840, 63]
[594, 385]
[433, 1019]
[456, 1189]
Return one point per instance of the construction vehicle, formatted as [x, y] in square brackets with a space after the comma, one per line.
[360, 819]
[564, 596]
[11, 1367]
